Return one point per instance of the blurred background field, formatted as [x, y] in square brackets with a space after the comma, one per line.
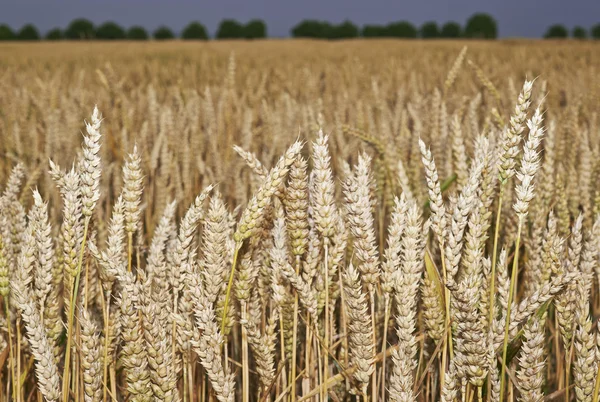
[260, 94]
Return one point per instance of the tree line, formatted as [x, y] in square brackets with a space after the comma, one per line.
[83, 29]
[479, 25]
[558, 31]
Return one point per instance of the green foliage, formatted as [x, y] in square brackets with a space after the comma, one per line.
[345, 30]
[429, 30]
[230, 29]
[137, 32]
[451, 29]
[579, 32]
[481, 26]
[401, 29]
[80, 29]
[373, 31]
[110, 31]
[556, 31]
[28, 32]
[325, 30]
[595, 31]
[194, 30]
[255, 29]
[163, 33]
[55, 34]
[312, 29]
[6, 33]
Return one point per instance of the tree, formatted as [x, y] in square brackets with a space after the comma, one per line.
[255, 29]
[230, 29]
[430, 30]
[312, 29]
[194, 30]
[55, 34]
[80, 29]
[451, 30]
[556, 31]
[137, 32]
[28, 32]
[345, 30]
[373, 31]
[579, 32]
[6, 32]
[481, 26]
[110, 31]
[595, 31]
[163, 33]
[401, 29]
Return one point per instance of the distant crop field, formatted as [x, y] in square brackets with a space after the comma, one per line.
[295, 220]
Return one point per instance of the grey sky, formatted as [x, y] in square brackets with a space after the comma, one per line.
[525, 18]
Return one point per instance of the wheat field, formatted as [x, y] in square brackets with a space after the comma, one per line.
[300, 221]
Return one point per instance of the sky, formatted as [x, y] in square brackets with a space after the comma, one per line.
[516, 18]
